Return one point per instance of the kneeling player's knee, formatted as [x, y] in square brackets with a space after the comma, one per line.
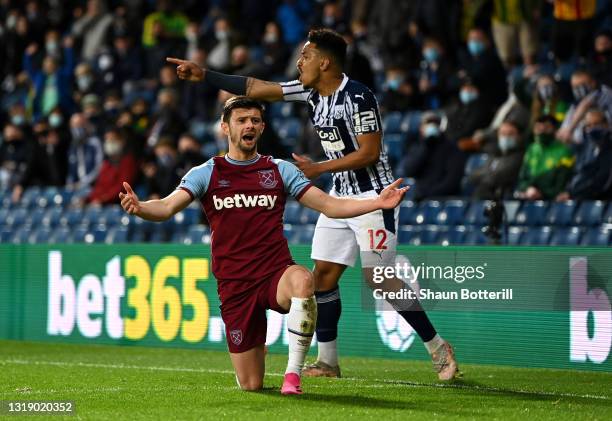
[251, 384]
[302, 283]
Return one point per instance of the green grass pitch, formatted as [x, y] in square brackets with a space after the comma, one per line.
[109, 382]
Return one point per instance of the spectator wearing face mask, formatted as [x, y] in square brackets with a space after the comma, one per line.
[547, 165]
[547, 100]
[118, 166]
[469, 114]
[85, 154]
[434, 73]
[587, 94]
[600, 61]
[189, 154]
[47, 160]
[399, 91]
[160, 172]
[592, 178]
[435, 162]
[498, 176]
[167, 120]
[14, 152]
[275, 52]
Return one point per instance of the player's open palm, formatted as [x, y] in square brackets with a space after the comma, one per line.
[187, 70]
[129, 200]
[392, 196]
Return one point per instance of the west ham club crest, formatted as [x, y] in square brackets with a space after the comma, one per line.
[236, 336]
[267, 179]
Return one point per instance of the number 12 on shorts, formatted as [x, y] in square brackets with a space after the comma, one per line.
[378, 238]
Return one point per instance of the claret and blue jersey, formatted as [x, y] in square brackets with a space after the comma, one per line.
[351, 111]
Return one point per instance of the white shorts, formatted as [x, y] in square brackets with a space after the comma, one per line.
[373, 236]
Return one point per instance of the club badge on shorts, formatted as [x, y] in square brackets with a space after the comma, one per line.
[236, 336]
[267, 179]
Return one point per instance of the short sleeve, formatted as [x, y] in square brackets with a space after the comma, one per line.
[196, 181]
[365, 116]
[294, 91]
[296, 183]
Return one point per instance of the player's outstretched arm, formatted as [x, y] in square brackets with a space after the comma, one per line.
[334, 207]
[238, 85]
[154, 210]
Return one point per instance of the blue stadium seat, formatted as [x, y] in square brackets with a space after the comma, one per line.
[590, 213]
[475, 214]
[431, 234]
[71, 218]
[16, 217]
[392, 122]
[21, 235]
[40, 235]
[50, 197]
[566, 236]
[411, 122]
[198, 129]
[454, 236]
[607, 219]
[281, 109]
[111, 215]
[61, 235]
[532, 213]
[92, 215]
[197, 234]
[116, 235]
[289, 130]
[188, 216]
[4, 213]
[409, 234]
[394, 145]
[511, 207]
[99, 233]
[52, 217]
[6, 234]
[428, 212]
[81, 234]
[514, 236]
[536, 236]
[453, 212]
[475, 237]
[475, 161]
[293, 210]
[601, 236]
[30, 197]
[303, 234]
[561, 213]
[35, 217]
[407, 212]
[309, 216]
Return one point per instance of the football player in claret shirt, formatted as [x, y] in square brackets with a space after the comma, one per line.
[345, 115]
[243, 194]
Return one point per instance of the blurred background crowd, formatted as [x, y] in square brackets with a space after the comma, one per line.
[480, 98]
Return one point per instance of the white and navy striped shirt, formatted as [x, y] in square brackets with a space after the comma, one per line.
[338, 119]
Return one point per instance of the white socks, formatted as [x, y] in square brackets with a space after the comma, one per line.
[301, 323]
[328, 353]
[434, 344]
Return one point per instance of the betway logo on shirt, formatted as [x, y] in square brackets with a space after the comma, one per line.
[244, 201]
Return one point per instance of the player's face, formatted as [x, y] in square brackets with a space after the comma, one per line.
[308, 65]
[244, 129]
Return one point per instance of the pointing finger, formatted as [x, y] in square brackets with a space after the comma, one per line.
[175, 60]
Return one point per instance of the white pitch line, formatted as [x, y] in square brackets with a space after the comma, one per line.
[385, 381]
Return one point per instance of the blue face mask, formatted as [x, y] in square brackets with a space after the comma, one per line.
[18, 119]
[476, 47]
[431, 130]
[467, 97]
[431, 55]
[55, 120]
[505, 143]
[394, 84]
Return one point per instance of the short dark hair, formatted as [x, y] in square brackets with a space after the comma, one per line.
[240, 101]
[330, 42]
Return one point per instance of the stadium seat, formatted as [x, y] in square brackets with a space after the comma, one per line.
[454, 236]
[116, 235]
[532, 213]
[453, 212]
[511, 207]
[281, 110]
[4, 213]
[561, 213]
[111, 215]
[428, 212]
[536, 236]
[81, 234]
[407, 212]
[61, 235]
[30, 197]
[309, 216]
[99, 233]
[197, 234]
[21, 235]
[475, 161]
[601, 236]
[198, 129]
[409, 234]
[475, 214]
[607, 219]
[566, 236]
[52, 217]
[431, 234]
[590, 213]
[35, 217]
[188, 216]
[394, 146]
[514, 236]
[92, 215]
[289, 130]
[293, 210]
[392, 122]
[16, 217]
[71, 218]
[411, 121]
[475, 236]
[40, 235]
[6, 234]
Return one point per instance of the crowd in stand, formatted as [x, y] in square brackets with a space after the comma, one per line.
[87, 99]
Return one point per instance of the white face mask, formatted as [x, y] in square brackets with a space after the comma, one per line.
[112, 148]
[506, 143]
